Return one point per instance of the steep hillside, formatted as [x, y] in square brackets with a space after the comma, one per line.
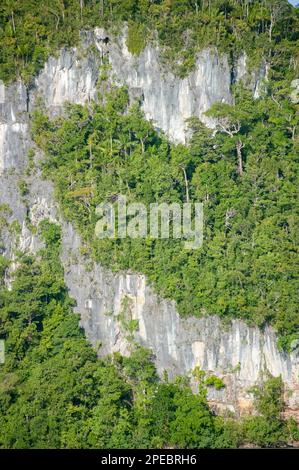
[166, 102]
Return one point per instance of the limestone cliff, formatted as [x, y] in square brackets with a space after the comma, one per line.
[239, 354]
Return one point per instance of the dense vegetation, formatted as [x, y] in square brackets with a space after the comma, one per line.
[29, 33]
[247, 267]
[55, 393]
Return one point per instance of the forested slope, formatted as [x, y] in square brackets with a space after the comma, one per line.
[54, 391]
[247, 266]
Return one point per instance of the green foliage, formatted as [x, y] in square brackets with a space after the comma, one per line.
[50, 233]
[268, 429]
[55, 393]
[5, 213]
[23, 188]
[193, 423]
[214, 381]
[29, 33]
[269, 398]
[136, 39]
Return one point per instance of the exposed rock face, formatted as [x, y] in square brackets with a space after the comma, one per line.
[107, 302]
[167, 100]
[295, 91]
[238, 353]
[13, 126]
[255, 80]
[70, 77]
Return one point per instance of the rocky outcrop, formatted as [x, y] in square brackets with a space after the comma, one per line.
[118, 309]
[239, 354]
[295, 91]
[70, 77]
[167, 100]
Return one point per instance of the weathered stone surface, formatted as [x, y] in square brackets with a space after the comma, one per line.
[13, 126]
[241, 355]
[295, 91]
[70, 77]
[167, 100]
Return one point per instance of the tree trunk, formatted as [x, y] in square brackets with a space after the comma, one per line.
[81, 8]
[62, 10]
[90, 155]
[186, 184]
[239, 146]
[13, 22]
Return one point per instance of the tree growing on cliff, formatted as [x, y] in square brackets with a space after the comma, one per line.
[232, 121]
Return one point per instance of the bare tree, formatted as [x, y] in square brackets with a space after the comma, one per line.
[276, 8]
[233, 128]
[81, 8]
[229, 120]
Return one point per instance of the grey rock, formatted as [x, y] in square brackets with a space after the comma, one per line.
[13, 126]
[295, 91]
[240, 354]
[167, 100]
[70, 77]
